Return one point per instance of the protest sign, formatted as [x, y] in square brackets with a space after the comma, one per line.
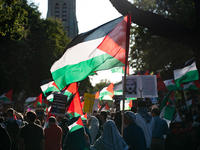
[59, 105]
[89, 102]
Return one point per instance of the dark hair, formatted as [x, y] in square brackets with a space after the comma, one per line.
[1, 119]
[64, 121]
[104, 113]
[156, 111]
[134, 109]
[141, 104]
[10, 112]
[118, 119]
[31, 115]
[52, 119]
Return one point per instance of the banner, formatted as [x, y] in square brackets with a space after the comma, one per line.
[59, 105]
[89, 102]
[140, 86]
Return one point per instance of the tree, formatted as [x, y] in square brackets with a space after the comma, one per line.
[158, 25]
[12, 19]
[25, 63]
[99, 86]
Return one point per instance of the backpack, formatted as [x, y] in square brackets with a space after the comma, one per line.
[13, 131]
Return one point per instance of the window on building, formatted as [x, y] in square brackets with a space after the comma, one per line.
[57, 11]
[64, 12]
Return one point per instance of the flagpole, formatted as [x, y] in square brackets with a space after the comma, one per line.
[126, 60]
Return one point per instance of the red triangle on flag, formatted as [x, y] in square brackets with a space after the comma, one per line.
[79, 121]
[196, 83]
[85, 116]
[35, 103]
[99, 106]
[73, 88]
[97, 95]
[110, 88]
[160, 84]
[46, 101]
[130, 104]
[75, 106]
[54, 84]
[107, 107]
[9, 94]
[146, 73]
[39, 98]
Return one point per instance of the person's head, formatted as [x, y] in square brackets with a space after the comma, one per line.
[130, 85]
[31, 116]
[129, 117]
[38, 122]
[10, 113]
[52, 120]
[103, 116]
[155, 111]
[59, 118]
[134, 109]
[64, 122]
[94, 112]
[142, 104]
[118, 119]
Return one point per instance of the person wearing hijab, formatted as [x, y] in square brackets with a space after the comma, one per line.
[110, 139]
[133, 134]
[145, 121]
[93, 128]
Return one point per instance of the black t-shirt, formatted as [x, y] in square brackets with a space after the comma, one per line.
[32, 135]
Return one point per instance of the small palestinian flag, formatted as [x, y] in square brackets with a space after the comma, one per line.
[75, 124]
[7, 97]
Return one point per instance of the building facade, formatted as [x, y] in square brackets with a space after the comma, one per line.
[65, 10]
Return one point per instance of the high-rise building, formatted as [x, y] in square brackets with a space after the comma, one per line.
[65, 10]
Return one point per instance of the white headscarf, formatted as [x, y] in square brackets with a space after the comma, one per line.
[110, 139]
[93, 128]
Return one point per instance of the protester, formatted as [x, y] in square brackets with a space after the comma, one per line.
[38, 122]
[31, 135]
[65, 128]
[103, 118]
[5, 140]
[160, 128]
[145, 121]
[53, 135]
[77, 140]
[133, 134]
[196, 130]
[110, 139]
[93, 124]
[12, 126]
[1, 120]
[118, 120]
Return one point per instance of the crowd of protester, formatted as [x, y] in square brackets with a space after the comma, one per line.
[142, 130]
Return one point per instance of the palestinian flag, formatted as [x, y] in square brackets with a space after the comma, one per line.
[170, 84]
[38, 100]
[165, 100]
[71, 89]
[99, 49]
[107, 107]
[146, 73]
[75, 124]
[130, 104]
[49, 87]
[186, 74]
[121, 69]
[75, 107]
[97, 95]
[107, 92]
[192, 85]
[7, 97]
[84, 117]
[167, 113]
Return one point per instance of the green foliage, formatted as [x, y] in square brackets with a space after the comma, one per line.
[25, 63]
[99, 86]
[12, 19]
[150, 52]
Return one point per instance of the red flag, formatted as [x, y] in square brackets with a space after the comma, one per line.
[75, 108]
[73, 88]
[99, 106]
[146, 73]
[196, 83]
[9, 94]
[39, 98]
[46, 101]
[110, 89]
[107, 107]
[97, 95]
[130, 104]
[160, 84]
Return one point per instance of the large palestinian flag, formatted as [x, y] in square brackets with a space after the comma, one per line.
[99, 49]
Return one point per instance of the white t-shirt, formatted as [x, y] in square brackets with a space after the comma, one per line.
[146, 127]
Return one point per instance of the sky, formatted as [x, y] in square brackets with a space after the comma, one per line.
[90, 14]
